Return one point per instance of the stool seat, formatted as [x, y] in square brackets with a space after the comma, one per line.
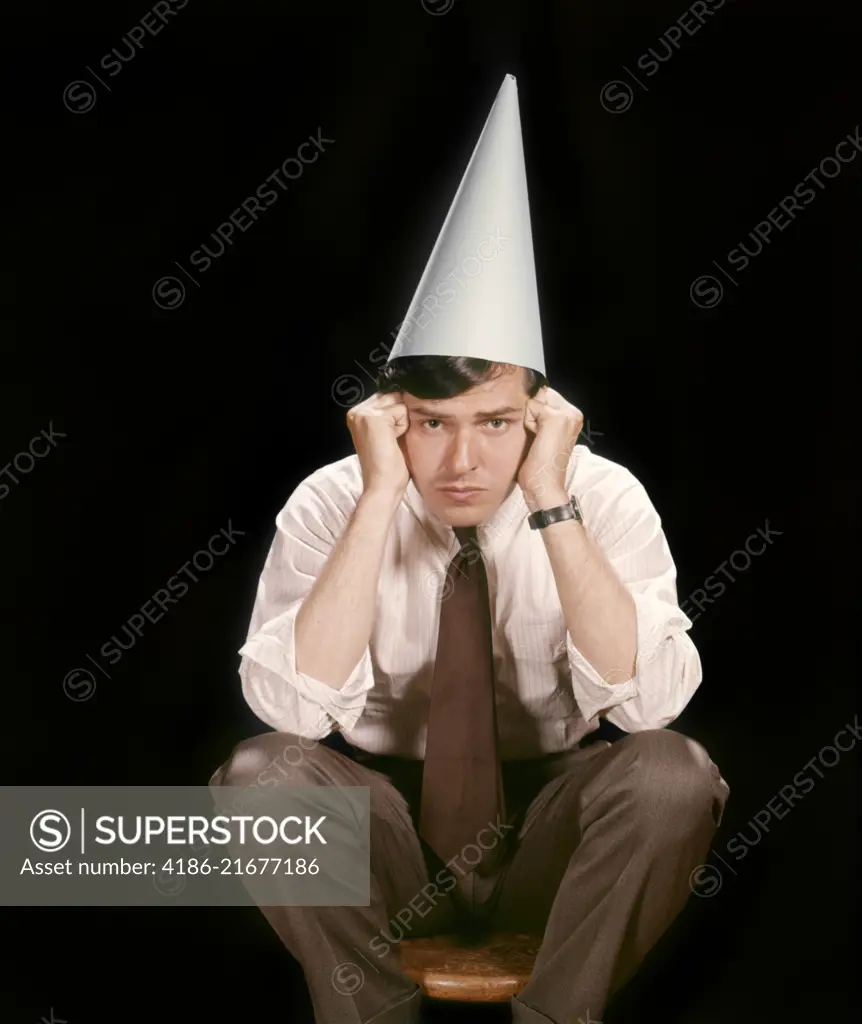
[487, 970]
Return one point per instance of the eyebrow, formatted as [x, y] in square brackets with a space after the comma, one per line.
[504, 410]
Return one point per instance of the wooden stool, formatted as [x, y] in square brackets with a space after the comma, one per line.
[490, 970]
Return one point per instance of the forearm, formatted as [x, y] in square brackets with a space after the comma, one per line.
[599, 611]
[334, 624]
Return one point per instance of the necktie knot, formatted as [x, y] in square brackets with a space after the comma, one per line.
[465, 534]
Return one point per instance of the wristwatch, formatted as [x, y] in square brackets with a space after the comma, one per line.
[545, 516]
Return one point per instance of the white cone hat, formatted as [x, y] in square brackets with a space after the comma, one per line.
[477, 296]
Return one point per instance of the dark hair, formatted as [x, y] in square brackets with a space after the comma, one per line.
[438, 377]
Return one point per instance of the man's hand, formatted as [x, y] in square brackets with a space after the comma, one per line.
[377, 425]
[555, 424]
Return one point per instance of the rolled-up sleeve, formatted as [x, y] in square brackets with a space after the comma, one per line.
[307, 529]
[668, 669]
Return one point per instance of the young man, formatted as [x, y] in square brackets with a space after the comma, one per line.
[444, 617]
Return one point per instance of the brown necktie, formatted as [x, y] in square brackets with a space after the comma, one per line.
[462, 787]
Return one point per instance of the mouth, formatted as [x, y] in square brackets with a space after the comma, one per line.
[462, 493]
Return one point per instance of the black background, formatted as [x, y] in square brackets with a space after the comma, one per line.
[177, 421]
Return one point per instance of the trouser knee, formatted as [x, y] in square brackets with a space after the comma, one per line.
[271, 759]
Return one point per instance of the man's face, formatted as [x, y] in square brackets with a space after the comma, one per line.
[477, 439]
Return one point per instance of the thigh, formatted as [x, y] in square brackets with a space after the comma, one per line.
[399, 873]
[658, 783]
[422, 909]
[548, 832]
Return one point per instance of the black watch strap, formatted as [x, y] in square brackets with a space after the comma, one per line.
[546, 516]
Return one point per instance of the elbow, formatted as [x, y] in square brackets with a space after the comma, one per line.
[664, 688]
[279, 704]
[261, 694]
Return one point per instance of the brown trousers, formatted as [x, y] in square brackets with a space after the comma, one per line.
[597, 861]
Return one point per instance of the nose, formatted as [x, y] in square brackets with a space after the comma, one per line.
[462, 457]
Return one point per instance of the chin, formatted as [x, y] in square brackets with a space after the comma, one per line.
[471, 514]
[463, 516]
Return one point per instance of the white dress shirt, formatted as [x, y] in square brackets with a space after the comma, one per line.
[548, 696]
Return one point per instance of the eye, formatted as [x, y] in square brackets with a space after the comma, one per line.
[498, 421]
[426, 422]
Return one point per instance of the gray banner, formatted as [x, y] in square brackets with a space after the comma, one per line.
[90, 846]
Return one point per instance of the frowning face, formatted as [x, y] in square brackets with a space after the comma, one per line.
[476, 440]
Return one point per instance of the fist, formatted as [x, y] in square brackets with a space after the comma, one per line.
[376, 426]
[555, 425]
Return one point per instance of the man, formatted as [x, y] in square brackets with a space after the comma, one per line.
[444, 617]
